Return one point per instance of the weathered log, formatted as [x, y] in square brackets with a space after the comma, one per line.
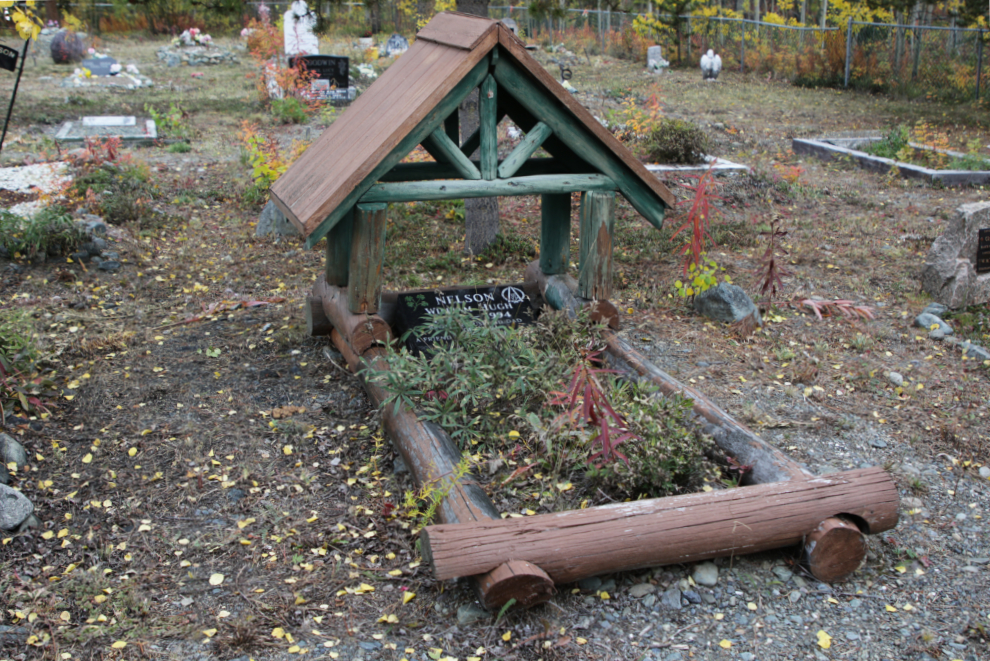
[317, 322]
[597, 225]
[362, 331]
[559, 292]
[577, 544]
[364, 276]
[835, 549]
[768, 463]
[432, 458]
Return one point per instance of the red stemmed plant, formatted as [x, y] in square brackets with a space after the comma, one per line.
[697, 216]
[586, 400]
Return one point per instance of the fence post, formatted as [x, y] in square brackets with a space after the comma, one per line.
[849, 41]
[742, 50]
[979, 62]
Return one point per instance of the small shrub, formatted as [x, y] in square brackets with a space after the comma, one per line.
[123, 192]
[50, 232]
[171, 124]
[179, 148]
[507, 248]
[22, 389]
[676, 141]
[288, 111]
[891, 144]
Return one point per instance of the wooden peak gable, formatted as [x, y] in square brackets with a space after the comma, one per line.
[415, 101]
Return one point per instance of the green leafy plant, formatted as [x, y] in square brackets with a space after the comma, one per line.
[702, 278]
[22, 388]
[288, 110]
[49, 232]
[122, 192]
[179, 148]
[891, 144]
[267, 159]
[170, 123]
[675, 141]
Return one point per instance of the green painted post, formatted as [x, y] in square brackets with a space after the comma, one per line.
[555, 233]
[597, 226]
[364, 289]
[488, 117]
[534, 138]
[339, 251]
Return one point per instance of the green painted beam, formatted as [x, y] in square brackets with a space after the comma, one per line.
[534, 138]
[553, 146]
[474, 140]
[339, 251]
[549, 110]
[439, 144]
[429, 123]
[488, 126]
[555, 233]
[425, 171]
[456, 189]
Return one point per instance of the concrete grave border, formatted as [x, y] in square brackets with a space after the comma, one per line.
[829, 149]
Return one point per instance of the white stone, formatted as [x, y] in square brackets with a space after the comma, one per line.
[985, 472]
[705, 573]
[298, 25]
[15, 508]
[109, 120]
[949, 274]
[654, 60]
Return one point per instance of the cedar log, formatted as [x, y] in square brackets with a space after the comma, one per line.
[835, 549]
[362, 330]
[577, 544]
[559, 292]
[317, 322]
[768, 463]
[432, 457]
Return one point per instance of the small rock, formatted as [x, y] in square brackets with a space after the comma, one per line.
[649, 600]
[399, 466]
[852, 635]
[81, 256]
[783, 573]
[273, 221]
[10, 452]
[95, 225]
[926, 320]
[692, 596]
[937, 334]
[794, 596]
[985, 472]
[671, 599]
[13, 635]
[470, 613]
[747, 656]
[235, 494]
[15, 508]
[979, 561]
[705, 573]
[29, 523]
[111, 255]
[590, 584]
[896, 379]
[608, 585]
[877, 443]
[110, 265]
[726, 303]
[640, 590]
[974, 352]
[370, 645]
[936, 309]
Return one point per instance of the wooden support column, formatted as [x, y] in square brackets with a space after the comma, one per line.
[364, 287]
[339, 251]
[597, 226]
[488, 126]
[555, 233]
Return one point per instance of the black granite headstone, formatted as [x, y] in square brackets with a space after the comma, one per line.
[8, 58]
[983, 251]
[506, 305]
[99, 66]
[326, 67]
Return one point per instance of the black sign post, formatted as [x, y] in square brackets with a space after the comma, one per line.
[3, 63]
[983, 251]
[505, 305]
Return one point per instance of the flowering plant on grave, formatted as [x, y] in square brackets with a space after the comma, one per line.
[192, 37]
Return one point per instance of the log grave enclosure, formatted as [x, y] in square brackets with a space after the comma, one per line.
[340, 189]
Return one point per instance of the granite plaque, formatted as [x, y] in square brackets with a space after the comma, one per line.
[109, 120]
[100, 66]
[8, 58]
[326, 67]
[506, 305]
[983, 251]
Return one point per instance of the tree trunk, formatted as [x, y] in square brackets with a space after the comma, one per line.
[375, 16]
[481, 213]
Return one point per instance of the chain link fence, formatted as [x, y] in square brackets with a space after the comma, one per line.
[945, 63]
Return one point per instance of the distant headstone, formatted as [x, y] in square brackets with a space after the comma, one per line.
[67, 47]
[506, 305]
[298, 25]
[109, 120]
[8, 58]
[333, 69]
[957, 268]
[654, 60]
[101, 66]
[396, 45]
[511, 24]
[130, 130]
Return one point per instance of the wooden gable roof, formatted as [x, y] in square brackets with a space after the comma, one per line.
[451, 56]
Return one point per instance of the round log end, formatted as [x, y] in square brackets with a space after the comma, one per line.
[835, 550]
[517, 579]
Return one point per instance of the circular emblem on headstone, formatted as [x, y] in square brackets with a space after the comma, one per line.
[513, 295]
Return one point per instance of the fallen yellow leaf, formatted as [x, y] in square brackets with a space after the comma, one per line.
[408, 596]
[725, 643]
[216, 579]
[824, 640]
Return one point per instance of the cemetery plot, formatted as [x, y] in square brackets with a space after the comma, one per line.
[130, 130]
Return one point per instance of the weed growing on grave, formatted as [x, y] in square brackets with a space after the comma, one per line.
[770, 270]
[268, 161]
[23, 389]
[122, 193]
[50, 232]
[671, 141]
[288, 111]
[179, 148]
[420, 506]
[172, 123]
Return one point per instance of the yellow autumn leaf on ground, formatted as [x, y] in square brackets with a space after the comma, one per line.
[119, 645]
[287, 449]
[507, 636]
[890, 609]
[408, 596]
[209, 633]
[278, 632]
[824, 640]
[65, 616]
[395, 572]
[88, 458]
[725, 643]
[216, 579]
[581, 641]
[391, 618]
[132, 452]
[604, 595]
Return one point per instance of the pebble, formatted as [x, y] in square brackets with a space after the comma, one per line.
[926, 320]
[470, 613]
[705, 573]
[747, 656]
[671, 599]
[935, 309]
[783, 573]
[15, 508]
[937, 334]
[10, 451]
[235, 494]
[110, 265]
[794, 596]
[985, 472]
[13, 635]
[370, 645]
[692, 596]
[878, 443]
[641, 590]
[649, 600]
[852, 635]
[896, 379]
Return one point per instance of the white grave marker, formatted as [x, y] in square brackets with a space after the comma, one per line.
[299, 24]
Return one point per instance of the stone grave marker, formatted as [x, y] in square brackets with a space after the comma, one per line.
[298, 26]
[131, 130]
[101, 66]
[507, 305]
[330, 70]
[396, 45]
[654, 60]
[953, 273]
[983, 251]
[8, 58]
